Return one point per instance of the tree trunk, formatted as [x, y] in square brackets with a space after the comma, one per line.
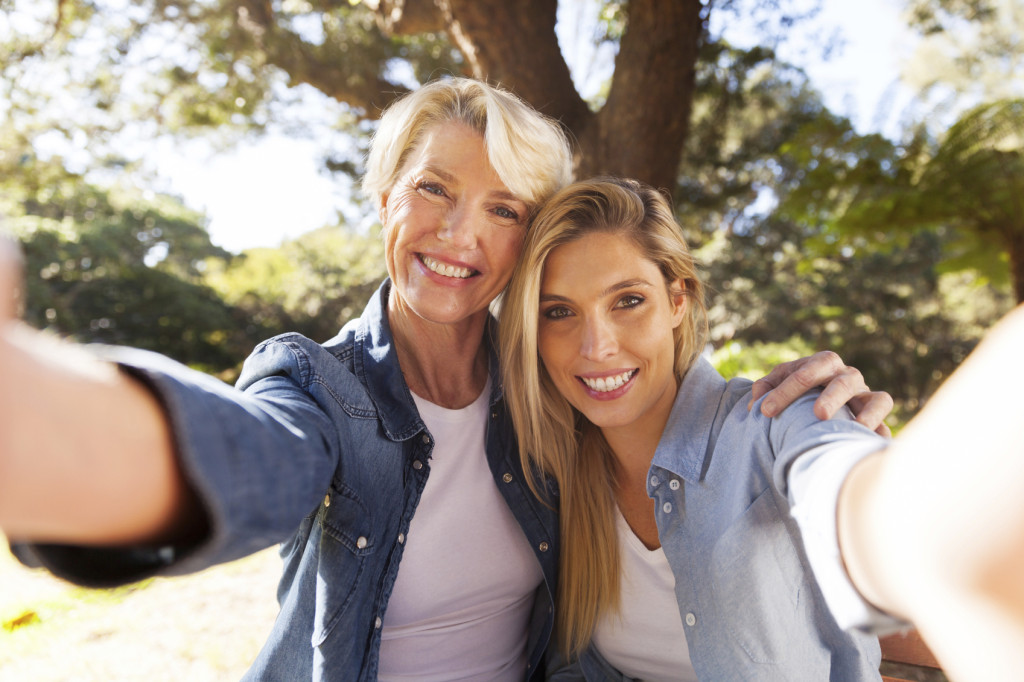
[1015, 247]
[514, 44]
[641, 130]
[642, 127]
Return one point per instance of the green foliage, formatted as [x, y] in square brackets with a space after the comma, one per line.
[890, 313]
[111, 265]
[312, 285]
[969, 51]
[866, 191]
[753, 361]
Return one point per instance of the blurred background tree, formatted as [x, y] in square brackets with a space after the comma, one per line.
[897, 253]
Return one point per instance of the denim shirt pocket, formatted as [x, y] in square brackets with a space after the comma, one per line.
[346, 543]
[757, 582]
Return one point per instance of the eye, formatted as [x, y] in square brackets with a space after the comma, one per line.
[431, 188]
[556, 312]
[507, 213]
[629, 301]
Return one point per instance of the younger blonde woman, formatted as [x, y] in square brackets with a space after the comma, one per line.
[699, 538]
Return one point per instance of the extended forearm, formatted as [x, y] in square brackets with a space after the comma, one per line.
[934, 528]
[85, 452]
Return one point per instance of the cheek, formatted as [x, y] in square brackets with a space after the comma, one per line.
[506, 247]
[406, 210]
[555, 353]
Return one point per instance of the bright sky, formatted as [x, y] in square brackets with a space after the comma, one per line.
[262, 193]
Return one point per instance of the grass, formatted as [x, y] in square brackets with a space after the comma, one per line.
[207, 626]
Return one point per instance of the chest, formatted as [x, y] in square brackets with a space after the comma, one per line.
[461, 521]
[638, 512]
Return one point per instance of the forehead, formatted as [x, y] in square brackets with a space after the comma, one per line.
[454, 149]
[598, 259]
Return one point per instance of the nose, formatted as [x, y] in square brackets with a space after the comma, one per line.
[458, 228]
[599, 340]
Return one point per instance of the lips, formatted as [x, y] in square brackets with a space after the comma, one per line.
[445, 269]
[609, 383]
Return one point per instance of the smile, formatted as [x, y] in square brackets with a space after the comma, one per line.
[606, 384]
[446, 270]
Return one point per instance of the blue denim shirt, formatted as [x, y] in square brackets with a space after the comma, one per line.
[325, 452]
[724, 480]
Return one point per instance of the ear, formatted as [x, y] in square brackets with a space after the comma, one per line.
[382, 210]
[679, 300]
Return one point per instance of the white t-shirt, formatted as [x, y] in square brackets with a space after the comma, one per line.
[462, 599]
[645, 639]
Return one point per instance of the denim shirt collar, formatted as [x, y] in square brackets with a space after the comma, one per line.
[683, 447]
[376, 361]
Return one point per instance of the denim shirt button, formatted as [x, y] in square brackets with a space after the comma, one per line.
[327, 500]
[667, 507]
[426, 439]
[361, 541]
[507, 478]
[401, 538]
[654, 481]
[377, 623]
[674, 484]
[691, 619]
[417, 465]
[543, 546]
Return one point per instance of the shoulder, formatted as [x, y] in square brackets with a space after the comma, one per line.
[292, 355]
[740, 423]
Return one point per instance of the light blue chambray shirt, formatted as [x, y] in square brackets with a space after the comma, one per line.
[725, 481]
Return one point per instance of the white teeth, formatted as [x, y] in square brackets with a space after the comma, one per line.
[446, 270]
[605, 384]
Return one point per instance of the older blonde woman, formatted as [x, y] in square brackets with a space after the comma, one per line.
[381, 459]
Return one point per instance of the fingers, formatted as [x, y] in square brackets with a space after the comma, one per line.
[792, 379]
[10, 279]
[767, 383]
[845, 386]
[871, 409]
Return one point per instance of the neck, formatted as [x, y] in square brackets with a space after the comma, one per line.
[634, 444]
[443, 363]
[633, 450]
[633, 455]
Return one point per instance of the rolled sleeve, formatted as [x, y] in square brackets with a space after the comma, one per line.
[814, 486]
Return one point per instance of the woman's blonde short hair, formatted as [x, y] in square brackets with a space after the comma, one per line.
[529, 151]
[556, 439]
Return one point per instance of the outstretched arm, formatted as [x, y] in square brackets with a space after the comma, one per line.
[86, 455]
[933, 528]
[843, 386]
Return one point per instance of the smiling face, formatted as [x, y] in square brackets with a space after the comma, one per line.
[453, 231]
[605, 331]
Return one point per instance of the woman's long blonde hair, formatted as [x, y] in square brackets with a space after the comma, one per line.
[554, 438]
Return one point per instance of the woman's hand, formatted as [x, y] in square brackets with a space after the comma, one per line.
[86, 455]
[843, 386]
[933, 528]
[10, 280]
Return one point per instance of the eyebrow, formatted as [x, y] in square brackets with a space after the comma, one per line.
[441, 173]
[618, 286]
